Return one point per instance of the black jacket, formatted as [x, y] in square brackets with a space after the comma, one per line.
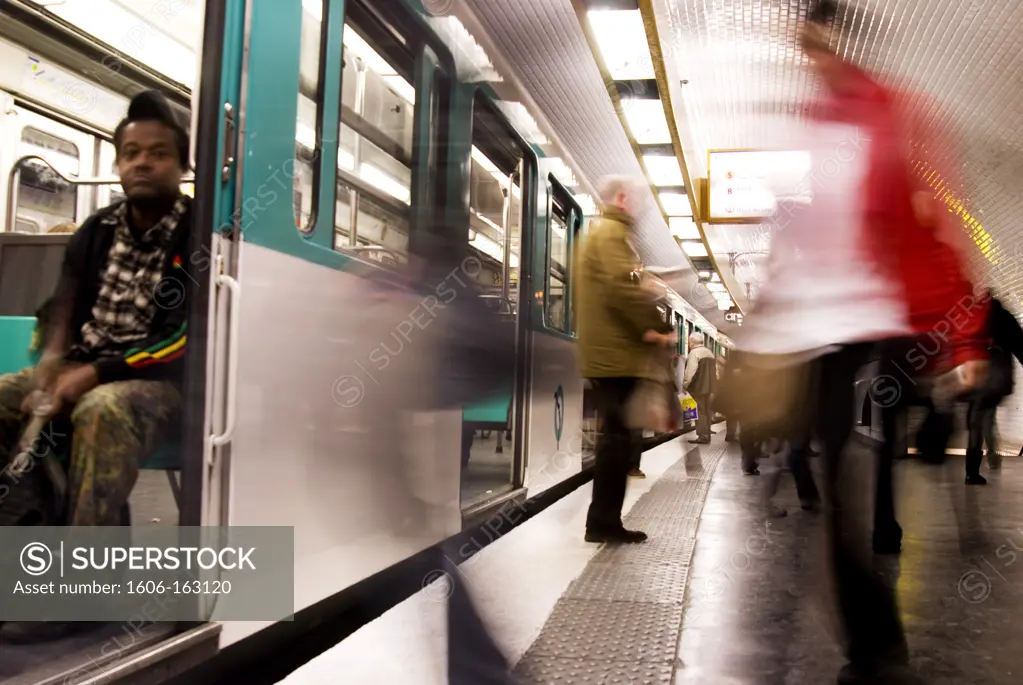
[1006, 343]
[159, 356]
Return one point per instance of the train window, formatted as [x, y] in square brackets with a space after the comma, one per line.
[680, 330]
[495, 203]
[372, 214]
[116, 192]
[44, 199]
[554, 303]
[309, 126]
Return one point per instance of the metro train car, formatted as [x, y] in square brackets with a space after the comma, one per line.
[324, 134]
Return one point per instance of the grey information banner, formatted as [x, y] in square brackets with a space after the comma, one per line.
[147, 573]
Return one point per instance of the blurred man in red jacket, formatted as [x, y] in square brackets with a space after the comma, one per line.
[871, 259]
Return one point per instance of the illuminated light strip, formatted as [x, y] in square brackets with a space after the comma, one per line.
[492, 169]
[985, 241]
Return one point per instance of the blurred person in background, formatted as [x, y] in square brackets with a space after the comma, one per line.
[700, 380]
[617, 325]
[731, 425]
[880, 271]
[65, 227]
[1006, 343]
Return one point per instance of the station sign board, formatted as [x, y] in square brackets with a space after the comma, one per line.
[744, 186]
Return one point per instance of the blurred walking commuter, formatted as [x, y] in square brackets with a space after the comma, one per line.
[1006, 343]
[880, 271]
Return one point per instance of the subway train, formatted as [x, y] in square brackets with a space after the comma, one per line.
[323, 133]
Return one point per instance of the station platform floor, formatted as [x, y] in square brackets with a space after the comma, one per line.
[722, 593]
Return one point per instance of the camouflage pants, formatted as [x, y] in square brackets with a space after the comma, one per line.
[116, 426]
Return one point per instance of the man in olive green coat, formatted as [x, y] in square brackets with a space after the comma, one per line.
[617, 326]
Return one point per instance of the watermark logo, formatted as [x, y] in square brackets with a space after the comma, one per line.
[885, 391]
[348, 391]
[36, 559]
[975, 586]
[438, 8]
[438, 586]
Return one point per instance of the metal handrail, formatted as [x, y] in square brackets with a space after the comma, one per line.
[72, 180]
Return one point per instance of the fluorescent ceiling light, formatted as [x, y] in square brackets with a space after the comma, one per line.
[715, 277]
[492, 169]
[485, 162]
[491, 248]
[147, 40]
[675, 204]
[621, 39]
[684, 228]
[694, 248]
[490, 223]
[664, 170]
[384, 182]
[646, 121]
[715, 287]
[359, 47]
[725, 305]
[703, 274]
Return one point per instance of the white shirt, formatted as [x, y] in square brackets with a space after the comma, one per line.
[822, 290]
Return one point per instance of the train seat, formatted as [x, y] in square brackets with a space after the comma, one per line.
[16, 353]
[492, 412]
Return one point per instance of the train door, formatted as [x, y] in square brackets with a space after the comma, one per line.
[493, 428]
[557, 396]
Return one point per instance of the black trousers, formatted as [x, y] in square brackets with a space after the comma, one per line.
[616, 453]
[893, 414]
[749, 441]
[980, 421]
[731, 425]
[703, 415]
[867, 606]
[799, 463]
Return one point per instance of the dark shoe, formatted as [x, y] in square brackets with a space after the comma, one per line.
[636, 473]
[994, 461]
[974, 459]
[755, 471]
[811, 505]
[776, 512]
[34, 632]
[700, 441]
[617, 536]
